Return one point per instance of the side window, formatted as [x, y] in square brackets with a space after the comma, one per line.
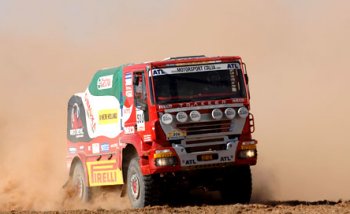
[140, 92]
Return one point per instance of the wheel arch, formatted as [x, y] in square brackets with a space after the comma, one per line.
[127, 154]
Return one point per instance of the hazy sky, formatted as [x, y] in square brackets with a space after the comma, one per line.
[296, 53]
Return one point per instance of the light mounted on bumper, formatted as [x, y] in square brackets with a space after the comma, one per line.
[230, 113]
[247, 154]
[195, 116]
[248, 150]
[164, 157]
[181, 117]
[167, 118]
[243, 112]
[169, 161]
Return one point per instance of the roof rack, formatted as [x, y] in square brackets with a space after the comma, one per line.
[184, 57]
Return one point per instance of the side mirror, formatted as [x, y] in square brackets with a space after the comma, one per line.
[246, 78]
[245, 73]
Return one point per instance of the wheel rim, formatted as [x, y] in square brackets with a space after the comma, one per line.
[135, 186]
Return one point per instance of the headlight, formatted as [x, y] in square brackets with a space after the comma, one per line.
[216, 114]
[164, 157]
[243, 112]
[195, 116]
[167, 118]
[247, 154]
[230, 113]
[181, 117]
[170, 161]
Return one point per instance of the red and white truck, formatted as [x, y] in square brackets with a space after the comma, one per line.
[164, 126]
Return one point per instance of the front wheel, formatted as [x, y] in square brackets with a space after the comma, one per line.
[81, 188]
[140, 188]
[237, 185]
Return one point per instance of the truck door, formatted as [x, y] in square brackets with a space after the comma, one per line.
[140, 100]
[141, 105]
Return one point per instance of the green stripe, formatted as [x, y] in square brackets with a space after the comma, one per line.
[115, 90]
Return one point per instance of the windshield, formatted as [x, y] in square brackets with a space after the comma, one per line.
[196, 86]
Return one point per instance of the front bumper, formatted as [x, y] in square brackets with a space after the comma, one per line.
[211, 157]
[184, 157]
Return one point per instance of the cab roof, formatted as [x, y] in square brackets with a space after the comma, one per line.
[173, 61]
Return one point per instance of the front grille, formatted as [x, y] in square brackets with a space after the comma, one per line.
[205, 127]
[216, 147]
[190, 142]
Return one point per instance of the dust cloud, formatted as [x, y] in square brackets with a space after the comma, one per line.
[296, 53]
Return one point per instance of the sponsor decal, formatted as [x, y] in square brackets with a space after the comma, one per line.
[158, 72]
[76, 122]
[165, 106]
[176, 133]
[140, 120]
[128, 79]
[202, 103]
[114, 145]
[81, 147]
[95, 148]
[233, 66]
[128, 91]
[226, 158]
[78, 133]
[190, 162]
[72, 150]
[105, 147]
[129, 130]
[126, 113]
[195, 68]
[102, 173]
[196, 105]
[105, 82]
[238, 100]
[89, 113]
[147, 138]
[108, 116]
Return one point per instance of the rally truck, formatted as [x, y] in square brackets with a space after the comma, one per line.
[164, 128]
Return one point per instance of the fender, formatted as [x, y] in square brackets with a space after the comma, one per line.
[141, 148]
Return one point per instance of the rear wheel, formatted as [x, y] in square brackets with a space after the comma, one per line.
[81, 188]
[237, 185]
[140, 188]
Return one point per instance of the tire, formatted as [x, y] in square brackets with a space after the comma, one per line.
[81, 188]
[140, 188]
[237, 185]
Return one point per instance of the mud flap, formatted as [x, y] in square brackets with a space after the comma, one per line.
[122, 193]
